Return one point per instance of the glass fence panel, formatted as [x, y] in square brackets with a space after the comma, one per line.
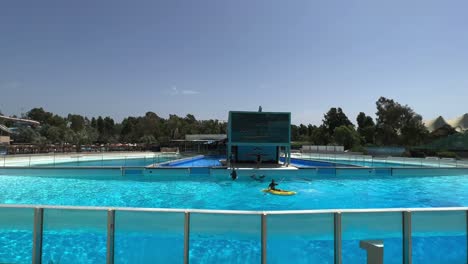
[304, 238]
[219, 238]
[16, 235]
[137, 162]
[74, 236]
[372, 226]
[149, 237]
[439, 237]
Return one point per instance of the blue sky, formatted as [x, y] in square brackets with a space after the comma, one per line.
[122, 58]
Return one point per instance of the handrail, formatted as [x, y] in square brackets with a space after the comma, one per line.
[422, 162]
[238, 212]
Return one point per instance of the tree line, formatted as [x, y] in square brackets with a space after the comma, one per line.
[80, 130]
[395, 125]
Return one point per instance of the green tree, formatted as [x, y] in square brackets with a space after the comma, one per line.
[40, 115]
[398, 124]
[366, 128]
[77, 122]
[26, 135]
[93, 122]
[334, 118]
[294, 133]
[346, 136]
[320, 136]
[148, 140]
[54, 135]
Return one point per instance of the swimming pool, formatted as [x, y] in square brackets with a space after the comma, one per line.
[142, 237]
[303, 162]
[177, 189]
[196, 161]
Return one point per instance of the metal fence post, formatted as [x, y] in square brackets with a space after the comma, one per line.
[337, 233]
[110, 236]
[186, 237]
[37, 235]
[407, 241]
[264, 239]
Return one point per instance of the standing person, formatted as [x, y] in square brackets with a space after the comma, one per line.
[259, 160]
[231, 160]
[234, 174]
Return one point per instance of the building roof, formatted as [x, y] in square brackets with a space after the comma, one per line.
[460, 123]
[5, 129]
[205, 137]
[20, 120]
[436, 123]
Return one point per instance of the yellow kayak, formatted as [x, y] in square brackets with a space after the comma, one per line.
[279, 192]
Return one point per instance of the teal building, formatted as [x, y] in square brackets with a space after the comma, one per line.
[258, 137]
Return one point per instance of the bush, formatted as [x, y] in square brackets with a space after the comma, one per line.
[360, 149]
[447, 154]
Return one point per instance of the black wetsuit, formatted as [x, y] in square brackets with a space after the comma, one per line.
[234, 174]
[272, 185]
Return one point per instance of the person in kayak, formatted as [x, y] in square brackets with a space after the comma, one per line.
[272, 185]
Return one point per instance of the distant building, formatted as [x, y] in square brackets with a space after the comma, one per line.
[201, 143]
[5, 133]
[460, 124]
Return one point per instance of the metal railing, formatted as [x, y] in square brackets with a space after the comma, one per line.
[406, 214]
[387, 161]
[78, 159]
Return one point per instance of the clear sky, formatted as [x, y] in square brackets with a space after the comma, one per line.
[121, 58]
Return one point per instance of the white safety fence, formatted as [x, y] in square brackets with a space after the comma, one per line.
[370, 161]
[337, 218]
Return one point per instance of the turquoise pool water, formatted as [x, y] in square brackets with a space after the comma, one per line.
[213, 161]
[304, 162]
[203, 161]
[302, 238]
[207, 192]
